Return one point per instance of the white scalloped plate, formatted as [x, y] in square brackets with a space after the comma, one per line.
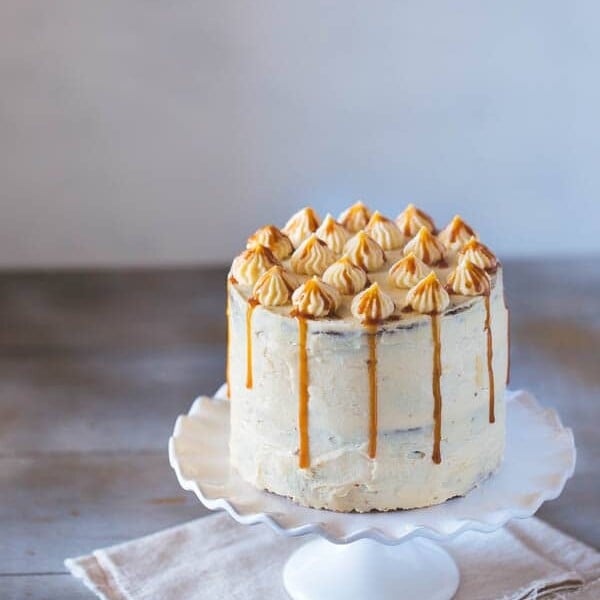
[539, 458]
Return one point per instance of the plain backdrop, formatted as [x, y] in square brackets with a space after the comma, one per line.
[154, 132]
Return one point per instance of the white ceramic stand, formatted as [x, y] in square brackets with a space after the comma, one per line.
[378, 555]
[367, 569]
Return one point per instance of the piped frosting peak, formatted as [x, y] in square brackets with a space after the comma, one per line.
[365, 252]
[275, 287]
[356, 217]
[334, 234]
[456, 234]
[301, 225]
[426, 247]
[407, 272]
[274, 239]
[312, 257]
[428, 297]
[315, 299]
[411, 219]
[479, 254]
[345, 276]
[469, 280]
[372, 305]
[384, 231]
[252, 263]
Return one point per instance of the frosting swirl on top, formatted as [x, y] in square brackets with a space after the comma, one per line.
[356, 217]
[312, 257]
[334, 234]
[407, 272]
[275, 287]
[456, 234]
[384, 231]
[411, 219]
[345, 276]
[301, 225]
[479, 254]
[365, 252]
[271, 237]
[428, 297]
[372, 305]
[316, 299]
[426, 247]
[469, 280]
[252, 263]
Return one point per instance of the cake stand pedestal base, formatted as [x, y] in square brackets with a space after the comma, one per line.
[416, 568]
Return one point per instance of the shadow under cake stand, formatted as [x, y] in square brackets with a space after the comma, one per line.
[381, 555]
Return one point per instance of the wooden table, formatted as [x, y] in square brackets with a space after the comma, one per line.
[95, 367]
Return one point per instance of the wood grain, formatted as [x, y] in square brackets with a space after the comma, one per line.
[67, 504]
[47, 587]
[95, 367]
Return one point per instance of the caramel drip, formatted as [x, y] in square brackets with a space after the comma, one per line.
[347, 280]
[372, 362]
[507, 343]
[364, 248]
[426, 255]
[490, 355]
[227, 356]
[249, 310]
[304, 455]
[372, 306]
[436, 456]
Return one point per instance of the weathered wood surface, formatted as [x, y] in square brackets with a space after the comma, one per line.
[59, 586]
[95, 367]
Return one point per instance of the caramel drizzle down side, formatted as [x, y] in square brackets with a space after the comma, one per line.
[304, 454]
[507, 343]
[227, 357]
[436, 456]
[372, 362]
[490, 355]
[252, 303]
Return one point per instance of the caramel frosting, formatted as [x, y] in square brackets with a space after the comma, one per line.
[456, 234]
[426, 247]
[365, 252]
[252, 263]
[407, 272]
[468, 279]
[428, 297]
[479, 254]
[312, 257]
[334, 234]
[315, 299]
[301, 225]
[356, 217]
[275, 287]
[372, 305]
[345, 276]
[412, 219]
[384, 231]
[271, 237]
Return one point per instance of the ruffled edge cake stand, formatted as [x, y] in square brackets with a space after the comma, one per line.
[378, 555]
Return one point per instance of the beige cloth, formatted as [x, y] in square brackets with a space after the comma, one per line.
[214, 558]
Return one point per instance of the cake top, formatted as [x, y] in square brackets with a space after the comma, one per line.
[364, 267]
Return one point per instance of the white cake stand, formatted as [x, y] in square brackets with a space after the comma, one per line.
[378, 555]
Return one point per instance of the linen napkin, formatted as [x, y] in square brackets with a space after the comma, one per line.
[215, 558]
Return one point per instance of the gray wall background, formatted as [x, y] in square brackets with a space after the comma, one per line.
[154, 132]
